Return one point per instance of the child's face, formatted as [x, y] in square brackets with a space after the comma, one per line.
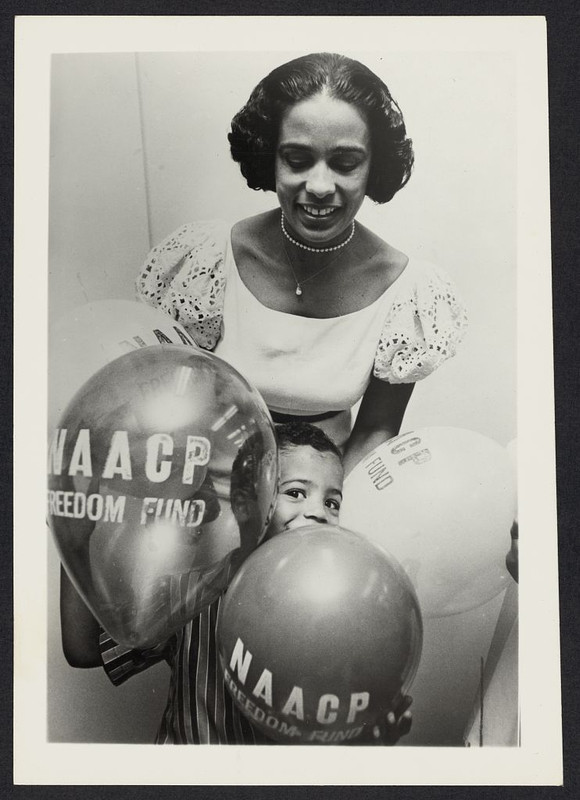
[310, 489]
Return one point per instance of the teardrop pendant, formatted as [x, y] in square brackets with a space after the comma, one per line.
[298, 290]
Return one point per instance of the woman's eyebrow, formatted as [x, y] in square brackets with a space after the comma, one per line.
[343, 148]
[293, 146]
[350, 148]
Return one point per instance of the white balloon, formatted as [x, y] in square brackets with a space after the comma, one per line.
[93, 335]
[442, 501]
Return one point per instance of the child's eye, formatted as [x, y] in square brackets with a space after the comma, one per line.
[334, 504]
[295, 493]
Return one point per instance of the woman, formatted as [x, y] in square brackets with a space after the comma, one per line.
[313, 308]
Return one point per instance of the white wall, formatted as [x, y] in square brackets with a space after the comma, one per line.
[98, 209]
[138, 146]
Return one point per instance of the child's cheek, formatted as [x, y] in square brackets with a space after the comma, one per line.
[277, 524]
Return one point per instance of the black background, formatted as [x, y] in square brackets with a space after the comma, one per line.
[564, 102]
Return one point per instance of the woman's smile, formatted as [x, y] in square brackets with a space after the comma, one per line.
[315, 217]
[319, 211]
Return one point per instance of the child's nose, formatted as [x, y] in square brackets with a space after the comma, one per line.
[317, 512]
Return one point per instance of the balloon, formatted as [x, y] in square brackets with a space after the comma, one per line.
[93, 335]
[442, 500]
[318, 634]
[161, 479]
[512, 448]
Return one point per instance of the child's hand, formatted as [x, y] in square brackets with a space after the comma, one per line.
[397, 723]
[512, 559]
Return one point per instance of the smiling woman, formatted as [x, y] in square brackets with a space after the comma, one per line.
[316, 310]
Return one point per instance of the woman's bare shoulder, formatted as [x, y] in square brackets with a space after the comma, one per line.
[254, 228]
[385, 261]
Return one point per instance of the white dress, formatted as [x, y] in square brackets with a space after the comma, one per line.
[303, 366]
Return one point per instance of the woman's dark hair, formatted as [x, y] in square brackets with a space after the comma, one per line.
[255, 129]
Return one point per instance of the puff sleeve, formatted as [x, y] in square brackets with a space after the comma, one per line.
[422, 329]
[184, 276]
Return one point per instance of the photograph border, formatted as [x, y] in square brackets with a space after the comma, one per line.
[33, 47]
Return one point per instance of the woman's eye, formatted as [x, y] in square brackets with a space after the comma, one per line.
[345, 166]
[296, 163]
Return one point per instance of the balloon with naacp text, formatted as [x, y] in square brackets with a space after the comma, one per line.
[161, 479]
[92, 335]
[442, 500]
[319, 635]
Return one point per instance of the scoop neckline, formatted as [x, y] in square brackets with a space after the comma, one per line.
[230, 254]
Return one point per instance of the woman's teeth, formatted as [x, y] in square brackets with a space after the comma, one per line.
[316, 211]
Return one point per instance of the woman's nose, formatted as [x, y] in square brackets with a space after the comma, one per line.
[320, 181]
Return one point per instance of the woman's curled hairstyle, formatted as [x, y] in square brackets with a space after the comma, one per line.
[255, 128]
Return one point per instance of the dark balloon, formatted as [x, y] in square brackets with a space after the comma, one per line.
[319, 634]
[162, 475]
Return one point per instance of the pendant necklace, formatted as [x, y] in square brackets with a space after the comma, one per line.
[300, 283]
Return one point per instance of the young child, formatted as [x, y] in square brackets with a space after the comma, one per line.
[199, 708]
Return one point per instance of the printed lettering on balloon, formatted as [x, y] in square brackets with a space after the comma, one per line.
[262, 700]
[78, 505]
[158, 461]
[257, 713]
[408, 442]
[406, 446]
[118, 463]
[161, 337]
[377, 471]
[187, 513]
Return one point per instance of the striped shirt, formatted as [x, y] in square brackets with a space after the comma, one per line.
[199, 708]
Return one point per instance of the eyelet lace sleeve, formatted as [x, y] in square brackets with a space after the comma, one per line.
[184, 276]
[422, 329]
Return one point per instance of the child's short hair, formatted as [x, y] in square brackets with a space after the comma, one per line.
[298, 434]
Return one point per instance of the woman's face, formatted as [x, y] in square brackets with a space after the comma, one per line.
[322, 168]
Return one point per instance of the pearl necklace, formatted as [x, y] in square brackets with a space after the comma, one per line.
[299, 284]
[316, 249]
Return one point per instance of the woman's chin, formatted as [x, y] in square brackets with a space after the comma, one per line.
[319, 231]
